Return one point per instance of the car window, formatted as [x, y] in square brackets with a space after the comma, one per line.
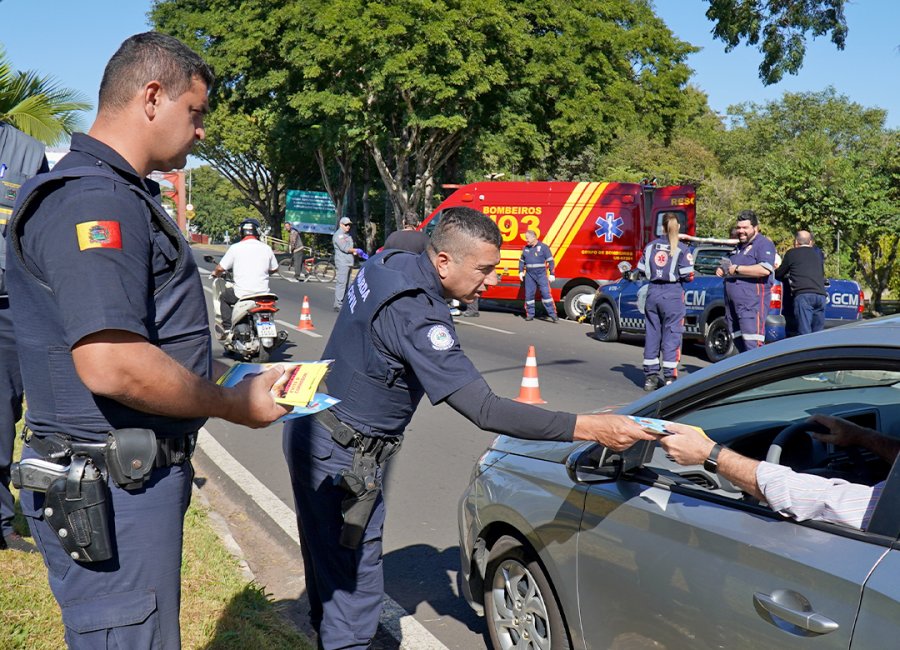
[749, 420]
[706, 260]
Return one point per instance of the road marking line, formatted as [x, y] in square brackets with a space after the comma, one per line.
[297, 329]
[484, 327]
[208, 290]
[404, 627]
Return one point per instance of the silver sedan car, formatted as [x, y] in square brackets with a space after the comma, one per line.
[569, 545]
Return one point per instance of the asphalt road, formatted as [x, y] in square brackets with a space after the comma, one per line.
[425, 481]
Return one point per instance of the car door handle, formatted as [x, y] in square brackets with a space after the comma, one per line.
[795, 609]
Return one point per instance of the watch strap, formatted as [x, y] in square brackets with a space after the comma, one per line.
[711, 464]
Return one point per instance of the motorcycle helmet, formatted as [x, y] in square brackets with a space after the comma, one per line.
[249, 228]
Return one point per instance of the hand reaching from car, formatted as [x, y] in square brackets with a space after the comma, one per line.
[686, 445]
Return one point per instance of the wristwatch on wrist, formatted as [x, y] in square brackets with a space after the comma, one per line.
[711, 464]
[736, 267]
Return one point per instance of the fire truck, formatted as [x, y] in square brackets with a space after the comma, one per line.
[590, 227]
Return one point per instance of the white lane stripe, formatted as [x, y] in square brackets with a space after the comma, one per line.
[484, 327]
[396, 620]
[315, 335]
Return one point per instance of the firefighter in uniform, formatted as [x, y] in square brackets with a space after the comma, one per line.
[393, 343]
[111, 321]
[667, 263]
[748, 283]
[21, 157]
[533, 266]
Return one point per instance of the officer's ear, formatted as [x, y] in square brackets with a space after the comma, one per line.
[442, 263]
[151, 96]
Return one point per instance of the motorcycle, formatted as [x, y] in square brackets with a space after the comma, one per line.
[254, 334]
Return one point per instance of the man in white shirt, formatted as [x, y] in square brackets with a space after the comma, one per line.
[251, 262]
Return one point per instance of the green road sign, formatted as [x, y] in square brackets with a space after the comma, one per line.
[310, 211]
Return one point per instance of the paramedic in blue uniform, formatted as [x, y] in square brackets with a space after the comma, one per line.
[112, 326]
[748, 283]
[21, 157]
[534, 263]
[667, 263]
[393, 343]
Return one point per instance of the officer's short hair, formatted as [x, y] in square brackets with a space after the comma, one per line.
[457, 227]
[748, 215]
[146, 57]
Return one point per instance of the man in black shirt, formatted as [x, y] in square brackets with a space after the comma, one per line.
[805, 271]
[408, 239]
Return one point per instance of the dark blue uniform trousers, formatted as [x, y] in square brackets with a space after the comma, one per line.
[345, 587]
[131, 601]
[10, 411]
[664, 314]
[809, 310]
[746, 306]
[540, 282]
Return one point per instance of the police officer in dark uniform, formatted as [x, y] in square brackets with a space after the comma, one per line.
[393, 343]
[21, 157]
[667, 263]
[748, 283]
[534, 263]
[111, 321]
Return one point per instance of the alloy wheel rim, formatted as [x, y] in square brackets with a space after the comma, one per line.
[519, 614]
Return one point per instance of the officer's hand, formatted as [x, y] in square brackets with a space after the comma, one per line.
[687, 445]
[552, 278]
[614, 431]
[255, 405]
[521, 276]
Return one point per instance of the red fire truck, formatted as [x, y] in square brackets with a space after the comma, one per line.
[590, 228]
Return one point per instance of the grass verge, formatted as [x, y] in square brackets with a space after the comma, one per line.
[219, 608]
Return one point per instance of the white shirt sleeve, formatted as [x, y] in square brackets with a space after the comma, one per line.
[806, 496]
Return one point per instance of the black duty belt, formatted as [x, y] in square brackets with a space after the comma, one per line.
[58, 448]
[381, 447]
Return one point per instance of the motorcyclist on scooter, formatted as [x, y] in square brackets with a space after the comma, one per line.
[251, 262]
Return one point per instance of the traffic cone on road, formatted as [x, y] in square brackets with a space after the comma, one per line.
[530, 392]
[305, 319]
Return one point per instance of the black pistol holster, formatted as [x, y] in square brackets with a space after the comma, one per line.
[77, 510]
[361, 481]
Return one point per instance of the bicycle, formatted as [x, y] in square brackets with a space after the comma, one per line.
[317, 267]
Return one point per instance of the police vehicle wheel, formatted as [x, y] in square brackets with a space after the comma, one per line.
[577, 300]
[519, 604]
[604, 322]
[286, 269]
[718, 342]
[324, 271]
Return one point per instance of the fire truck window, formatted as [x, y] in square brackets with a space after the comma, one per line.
[682, 221]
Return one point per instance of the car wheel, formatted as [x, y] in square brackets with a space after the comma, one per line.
[604, 321]
[718, 342]
[519, 603]
[577, 301]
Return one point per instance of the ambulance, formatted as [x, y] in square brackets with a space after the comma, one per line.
[590, 228]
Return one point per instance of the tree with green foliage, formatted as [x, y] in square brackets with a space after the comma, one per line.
[219, 207]
[37, 104]
[781, 26]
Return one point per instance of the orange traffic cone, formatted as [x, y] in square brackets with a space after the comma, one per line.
[305, 319]
[530, 392]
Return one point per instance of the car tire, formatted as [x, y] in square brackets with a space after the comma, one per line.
[718, 342]
[604, 321]
[573, 302]
[519, 604]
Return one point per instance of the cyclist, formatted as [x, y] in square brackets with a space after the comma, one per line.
[251, 262]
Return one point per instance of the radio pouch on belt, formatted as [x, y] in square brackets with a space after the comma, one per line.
[76, 509]
[130, 456]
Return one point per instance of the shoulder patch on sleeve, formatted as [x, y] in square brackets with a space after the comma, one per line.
[440, 337]
[98, 234]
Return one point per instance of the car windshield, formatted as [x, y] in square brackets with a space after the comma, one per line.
[816, 383]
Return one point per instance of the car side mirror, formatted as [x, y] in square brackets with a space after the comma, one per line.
[594, 464]
[209, 258]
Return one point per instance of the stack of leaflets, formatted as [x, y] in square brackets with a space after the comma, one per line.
[297, 387]
[660, 427]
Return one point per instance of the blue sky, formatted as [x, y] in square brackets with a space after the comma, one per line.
[73, 40]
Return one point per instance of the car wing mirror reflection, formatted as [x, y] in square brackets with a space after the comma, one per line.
[594, 464]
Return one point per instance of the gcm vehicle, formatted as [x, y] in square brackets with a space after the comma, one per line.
[589, 228]
[570, 545]
[254, 333]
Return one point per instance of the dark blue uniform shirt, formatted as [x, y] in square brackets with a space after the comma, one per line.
[91, 254]
[759, 250]
[534, 259]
